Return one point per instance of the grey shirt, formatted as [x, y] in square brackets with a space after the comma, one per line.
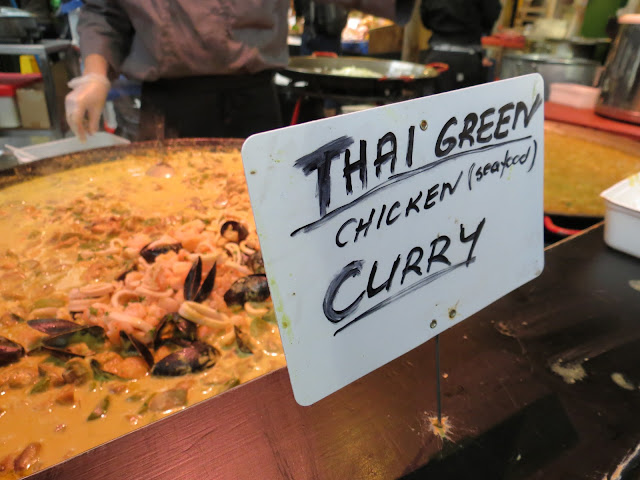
[153, 39]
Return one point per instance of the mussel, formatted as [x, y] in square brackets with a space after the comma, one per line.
[132, 346]
[192, 289]
[192, 358]
[83, 341]
[53, 326]
[255, 263]
[234, 231]
[243, 345]
[150, 254]
[10, 351]
[124, 274]
[253, 288]
[174, 329]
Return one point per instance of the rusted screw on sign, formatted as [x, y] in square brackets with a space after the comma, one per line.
[424, 125]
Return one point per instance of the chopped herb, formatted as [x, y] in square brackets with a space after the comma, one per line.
[234, 382]
[100, 375]
[145, 406]
[58, 362]
[270, 316]
[93, 311]
[100, 410]
[140, 299]
[151, 222]
[41, 386]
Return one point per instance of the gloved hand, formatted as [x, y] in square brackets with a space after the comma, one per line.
[86, 102]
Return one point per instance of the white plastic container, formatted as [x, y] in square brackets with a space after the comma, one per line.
[622, 217]
[9, 117]
[574, 95]
[67, 145]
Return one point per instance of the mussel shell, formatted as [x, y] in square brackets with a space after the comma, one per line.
[192, 290]
[237, 227]
[131, 344]
[123, 275]
[193, 358]
[255, 263]
[192, 281]
[60, 343]
[10, 351]
[243, 346]
[207, 286]
[253, 288]
[150, 254]
[174, 329]
[53, 326]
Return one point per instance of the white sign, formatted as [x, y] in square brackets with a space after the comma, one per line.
[381, 229]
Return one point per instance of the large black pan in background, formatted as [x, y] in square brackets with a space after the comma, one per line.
[318, 72]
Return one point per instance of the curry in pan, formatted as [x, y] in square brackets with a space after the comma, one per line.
[123, 298]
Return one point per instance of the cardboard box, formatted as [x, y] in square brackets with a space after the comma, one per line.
[389, 39]
[32, 105]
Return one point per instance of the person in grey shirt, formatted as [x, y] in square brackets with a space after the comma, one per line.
[206, 67]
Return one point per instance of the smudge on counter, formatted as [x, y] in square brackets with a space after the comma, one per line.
[570, 372]
[622, 381]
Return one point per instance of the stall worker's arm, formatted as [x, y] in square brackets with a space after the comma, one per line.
[397, 10]
[105, 38]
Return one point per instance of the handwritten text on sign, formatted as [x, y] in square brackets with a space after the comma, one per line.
[383, 228]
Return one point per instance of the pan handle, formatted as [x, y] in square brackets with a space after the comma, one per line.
[404, 78]
[438, 66]
[324, 54]
[553, 228]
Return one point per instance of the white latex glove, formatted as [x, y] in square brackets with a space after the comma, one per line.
[85, 102]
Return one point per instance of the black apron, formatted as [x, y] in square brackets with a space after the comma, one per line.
[231, 106]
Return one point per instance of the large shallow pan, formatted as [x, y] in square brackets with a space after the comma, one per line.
[148, 153]
[154, 148]
[323, 73]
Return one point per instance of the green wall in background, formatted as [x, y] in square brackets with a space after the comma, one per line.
[596, 16]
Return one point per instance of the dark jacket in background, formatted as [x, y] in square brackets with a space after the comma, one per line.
[324, 18]
[323, 25]
[460, 22]
[457, 27]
